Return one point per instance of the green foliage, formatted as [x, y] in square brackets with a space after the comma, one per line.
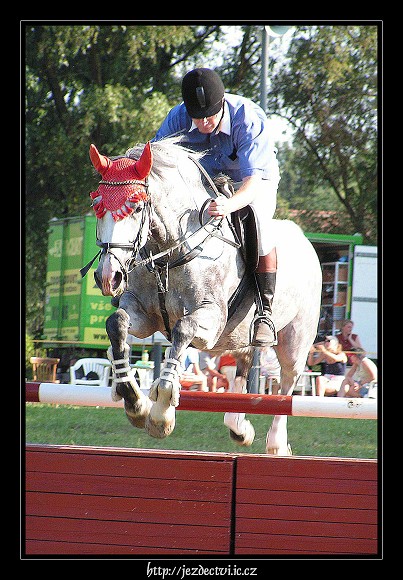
[29, 351]
[328, 92]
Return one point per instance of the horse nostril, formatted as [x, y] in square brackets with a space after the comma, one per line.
[117, 280]
[97, 281]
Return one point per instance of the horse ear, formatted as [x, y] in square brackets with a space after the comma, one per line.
[144, 164]
[100, 162]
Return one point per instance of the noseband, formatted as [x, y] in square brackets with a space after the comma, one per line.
[107, 247]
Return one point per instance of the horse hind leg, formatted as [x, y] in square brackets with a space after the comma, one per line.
[240, 429]
[277, 436]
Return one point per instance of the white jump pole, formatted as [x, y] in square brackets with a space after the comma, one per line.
[331, 407]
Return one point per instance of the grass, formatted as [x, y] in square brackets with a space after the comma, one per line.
[108, 427]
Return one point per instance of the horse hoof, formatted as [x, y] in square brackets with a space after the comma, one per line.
[160, 425]
[138, 412]
[276, 451]
[247, 438]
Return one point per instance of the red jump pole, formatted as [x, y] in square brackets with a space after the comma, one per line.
[235, 403]
[189, 400]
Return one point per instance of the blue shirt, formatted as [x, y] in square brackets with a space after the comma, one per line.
[242, 147]
[192, 357]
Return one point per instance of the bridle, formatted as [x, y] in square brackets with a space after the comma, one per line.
[107, 247]
[133, 247]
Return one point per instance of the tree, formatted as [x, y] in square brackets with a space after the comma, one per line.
[327, 90]
[110, 85]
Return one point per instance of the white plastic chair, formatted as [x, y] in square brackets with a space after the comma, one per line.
[100, 366]
[306, 382]
[268, 382]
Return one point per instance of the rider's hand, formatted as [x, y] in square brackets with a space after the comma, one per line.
[219, 207]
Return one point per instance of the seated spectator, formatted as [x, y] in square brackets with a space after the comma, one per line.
[192, 377]
[227, 366]
[216, 381]
[361, 378]
[348, 340]
[313, 355]
[333, 362]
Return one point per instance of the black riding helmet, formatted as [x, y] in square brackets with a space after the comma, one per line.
[202, 93]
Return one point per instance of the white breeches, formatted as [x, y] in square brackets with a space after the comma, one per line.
[265, 204]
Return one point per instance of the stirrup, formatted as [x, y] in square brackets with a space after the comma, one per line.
[252, 331]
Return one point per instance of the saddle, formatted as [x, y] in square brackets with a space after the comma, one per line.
[244, 224]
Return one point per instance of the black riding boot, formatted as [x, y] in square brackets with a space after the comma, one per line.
[264, 332]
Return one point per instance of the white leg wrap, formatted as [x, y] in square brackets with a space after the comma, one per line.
[122, 375]
[170, 373]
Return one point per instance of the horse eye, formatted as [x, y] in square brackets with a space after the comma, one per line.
[138, 209]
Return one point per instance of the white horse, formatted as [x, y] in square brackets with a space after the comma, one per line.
[171, 268]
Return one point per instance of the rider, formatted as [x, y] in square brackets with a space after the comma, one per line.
[234, 135]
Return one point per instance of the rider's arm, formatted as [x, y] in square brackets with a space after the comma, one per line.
[332, 357]
[251, 188]
[257, 161]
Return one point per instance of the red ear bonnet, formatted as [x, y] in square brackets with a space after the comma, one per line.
[122, 184]
[100, 162]
[144, 164]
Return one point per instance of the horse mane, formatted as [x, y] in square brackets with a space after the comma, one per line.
[168, 155]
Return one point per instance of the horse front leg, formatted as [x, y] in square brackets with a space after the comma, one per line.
[207, 323]
[124, 385]
[165, 393]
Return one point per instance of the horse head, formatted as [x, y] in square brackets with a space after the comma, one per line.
[122, 193]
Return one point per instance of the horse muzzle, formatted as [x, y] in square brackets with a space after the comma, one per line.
[109, 276]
